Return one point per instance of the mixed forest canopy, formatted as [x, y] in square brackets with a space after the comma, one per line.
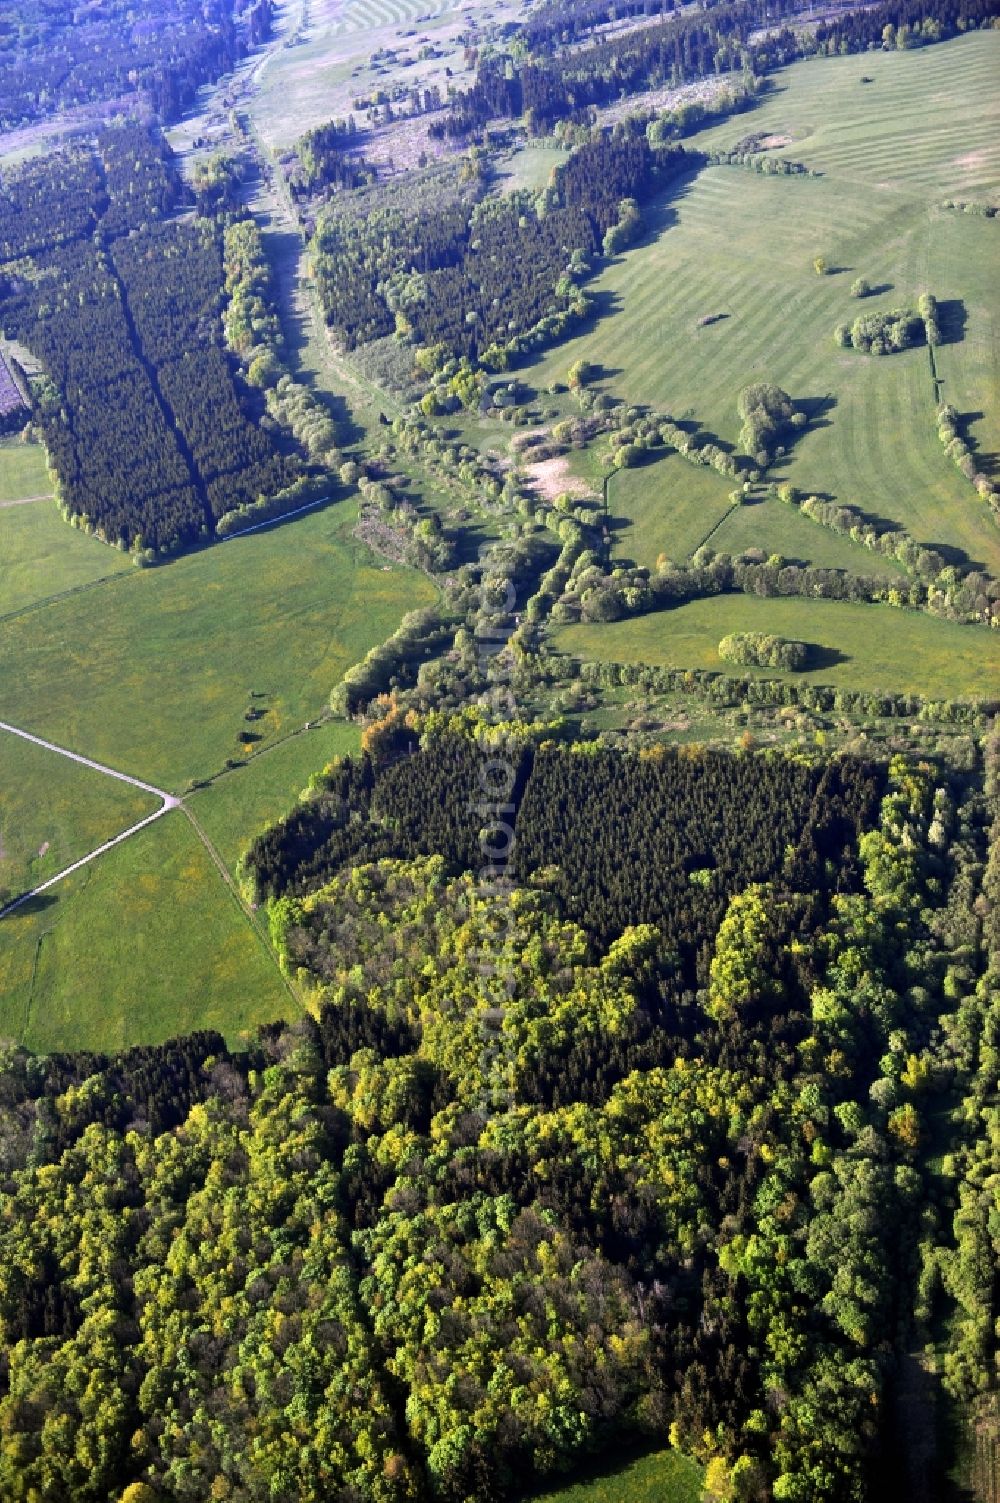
[474, 276]
[667, 1165]
[637, 1078]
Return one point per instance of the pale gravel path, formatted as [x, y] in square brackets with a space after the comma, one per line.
[168, 802]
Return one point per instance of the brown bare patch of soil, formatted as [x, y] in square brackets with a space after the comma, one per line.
[553, 477]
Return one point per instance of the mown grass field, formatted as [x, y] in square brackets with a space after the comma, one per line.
[663, 1477]
[41, 555]
[784, 529]
[242, 802]
[866, 647]
[53, 811]
[22, 470]
[153, 673]
[668, 505]
[530, 167]
[735, 243]
[144, 944]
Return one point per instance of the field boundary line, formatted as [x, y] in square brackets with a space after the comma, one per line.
[286, 516]
[123, 777]
[238, 899]
[89, 584]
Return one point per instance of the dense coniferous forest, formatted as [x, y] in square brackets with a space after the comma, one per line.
[57, 57]
[637, 1147]
[142, 416]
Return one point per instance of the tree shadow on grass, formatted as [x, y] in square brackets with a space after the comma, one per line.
[820, 657]
[817, 409]
[660, 213]
[284, 249]
[952, 319]
[986, 464]
[27, 908]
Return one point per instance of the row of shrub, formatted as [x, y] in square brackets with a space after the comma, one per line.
[958, 450]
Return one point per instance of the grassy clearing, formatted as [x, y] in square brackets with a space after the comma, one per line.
[664, 1477]
[22, 470]
[779, 528]
[141, 946]
[866, 647]
[530, 167]
[669, 506]
[735, 243]
[244, 801]
[40, 556]
[53, 811]
[153, 673]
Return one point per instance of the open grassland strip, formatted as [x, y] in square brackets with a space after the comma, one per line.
[146, 945]
[871, 648]
[237, 897]
[29, 998]
[23, 470]
[662, 1477]
[299, 308]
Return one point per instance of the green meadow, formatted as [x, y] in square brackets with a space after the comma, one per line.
[144, 944]
[53, 811]
[767, 523]
[41, 556]
[663, 1477]
[22, 470]
[865, 647]
[244, 800]
[732, 242]
[153, 673]
[667, 506]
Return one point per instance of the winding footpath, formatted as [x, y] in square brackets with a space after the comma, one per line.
[167, 802]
